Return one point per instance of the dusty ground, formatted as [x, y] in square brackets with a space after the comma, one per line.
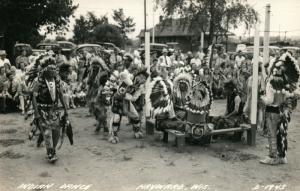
[93, 161]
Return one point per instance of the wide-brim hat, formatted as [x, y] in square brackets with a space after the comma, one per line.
[2, 52]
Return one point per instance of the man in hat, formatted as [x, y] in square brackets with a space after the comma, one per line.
[165, 58]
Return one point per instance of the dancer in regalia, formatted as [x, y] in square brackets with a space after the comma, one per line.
[124, 90]
[281, 88]
[47, 93]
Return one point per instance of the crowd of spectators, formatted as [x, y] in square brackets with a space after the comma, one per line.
[223, 67]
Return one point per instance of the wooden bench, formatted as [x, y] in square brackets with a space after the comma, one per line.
[251, 132]
[180, 137]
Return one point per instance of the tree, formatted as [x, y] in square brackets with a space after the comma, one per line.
[217, 16]
[20, 19]
[125, 24]
[108, 33]
[84, 27]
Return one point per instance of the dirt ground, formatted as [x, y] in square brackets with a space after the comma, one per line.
[133, 164]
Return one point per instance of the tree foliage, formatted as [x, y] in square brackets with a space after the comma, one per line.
[109, 33]
[93, 29]
[20, 19]
[215, 16]
[85, 25]
[126, 24]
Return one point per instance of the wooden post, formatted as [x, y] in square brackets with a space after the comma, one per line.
[267, 34]
[251, 134]
[153, 28]
[149, 125]
[202, 42]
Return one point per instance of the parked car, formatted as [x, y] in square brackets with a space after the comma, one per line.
[250, 50]
[173, 45]
[66, 45]
[37, 52]
[90, 48]
[292, 49]
[154, 48]
[109, 46]
[45, 46]
[19, 47]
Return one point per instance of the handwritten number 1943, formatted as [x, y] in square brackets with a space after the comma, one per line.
[270, 187]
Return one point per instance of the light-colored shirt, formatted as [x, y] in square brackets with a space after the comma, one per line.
[196, 61]
[165, 59]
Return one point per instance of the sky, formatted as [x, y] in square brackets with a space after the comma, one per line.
[284, 14]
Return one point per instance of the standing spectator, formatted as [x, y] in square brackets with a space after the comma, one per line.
[196, 60]
[73, 86]
[189, 57]
[4, 61]
[215, 57]
[201, 55]
[239, 59]
[23, 58]
[137, 59]
[223, 57]
[22, 93]
[60, 58]
[114, 59]
[165, 58]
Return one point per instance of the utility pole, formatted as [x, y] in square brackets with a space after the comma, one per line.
[145, 18]
[285, 36]
[251, 136]
[267, 34]
[279, 33]
[153, 28]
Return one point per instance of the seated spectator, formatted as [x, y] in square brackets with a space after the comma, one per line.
[233, 116]
[3, 80]
[11, 93]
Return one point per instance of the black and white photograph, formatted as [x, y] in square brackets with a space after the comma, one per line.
[149, 95]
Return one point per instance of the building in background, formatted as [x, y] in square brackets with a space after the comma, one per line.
[171, 31]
